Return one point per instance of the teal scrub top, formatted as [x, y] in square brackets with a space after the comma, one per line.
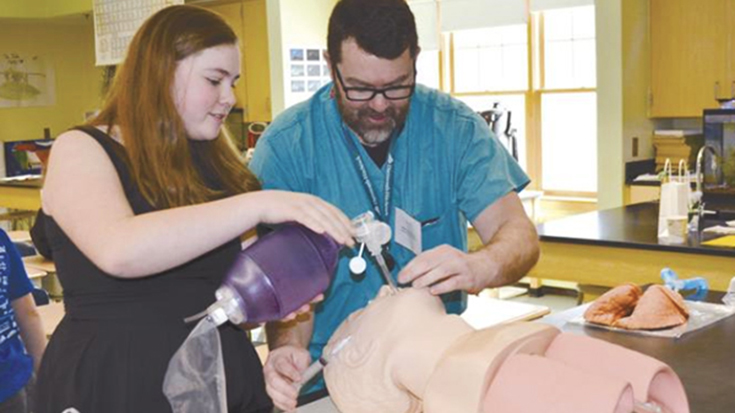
[447, 168]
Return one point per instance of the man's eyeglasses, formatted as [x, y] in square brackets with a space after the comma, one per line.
[364, 94]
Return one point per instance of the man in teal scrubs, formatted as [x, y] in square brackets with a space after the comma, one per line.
[374, 140]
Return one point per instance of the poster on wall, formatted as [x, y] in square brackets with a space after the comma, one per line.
[115, 23]
[26, 80]
[305, 72]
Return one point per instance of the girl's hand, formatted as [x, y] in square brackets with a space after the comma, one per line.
[275, 207]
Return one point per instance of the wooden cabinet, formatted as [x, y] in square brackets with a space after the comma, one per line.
[692, 45]
[249, 20]
[635, 194]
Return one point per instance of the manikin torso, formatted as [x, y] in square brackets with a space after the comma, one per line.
[405, 354]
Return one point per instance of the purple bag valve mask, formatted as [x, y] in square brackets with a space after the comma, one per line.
[275, 276]
[270, 279]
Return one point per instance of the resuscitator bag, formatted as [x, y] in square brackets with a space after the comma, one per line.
[195, 379]
[272, 278]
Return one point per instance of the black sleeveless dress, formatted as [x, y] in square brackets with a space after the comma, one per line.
[110, 352]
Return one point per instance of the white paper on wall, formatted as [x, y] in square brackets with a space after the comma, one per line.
[305, 72]
[115, 23]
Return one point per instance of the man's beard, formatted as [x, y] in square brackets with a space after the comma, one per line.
[359, 121]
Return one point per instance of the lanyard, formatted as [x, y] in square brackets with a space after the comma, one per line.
[360, 167]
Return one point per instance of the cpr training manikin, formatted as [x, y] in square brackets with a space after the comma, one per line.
[405, 354]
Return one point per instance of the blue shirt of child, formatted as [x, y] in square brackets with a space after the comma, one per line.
[16, 366]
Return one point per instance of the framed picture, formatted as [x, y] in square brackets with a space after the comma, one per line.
[297, 86]
[297, 54]
[313, 55]
[297, 70]
[304, 73]
[313, 70]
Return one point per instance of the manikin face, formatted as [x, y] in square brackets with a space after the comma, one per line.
[204, 89]
[372, 120]
[393, 345]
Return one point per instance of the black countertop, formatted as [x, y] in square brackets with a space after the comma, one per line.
[632, 226]
[703, 359]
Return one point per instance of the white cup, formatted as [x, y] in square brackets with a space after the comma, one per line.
[677, 226]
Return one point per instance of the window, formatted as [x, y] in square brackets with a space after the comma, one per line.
[515, 112]
[555, 115]
[568, 101]
[490, 69]
[569, 48]
[569, 144]
[491, 60]
[427, 68]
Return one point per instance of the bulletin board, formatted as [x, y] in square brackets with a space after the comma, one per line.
[306, 71]
[115, 23]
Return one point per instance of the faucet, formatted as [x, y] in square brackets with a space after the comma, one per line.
[700, 165]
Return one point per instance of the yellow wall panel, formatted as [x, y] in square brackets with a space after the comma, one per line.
[232, 13]
[248, 19]
[69, 49]
[257, 65]
[43, 8]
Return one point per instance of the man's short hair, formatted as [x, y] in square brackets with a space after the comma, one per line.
[384, 28]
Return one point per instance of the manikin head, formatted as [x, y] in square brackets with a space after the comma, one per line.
[400, 340]
[395, 343]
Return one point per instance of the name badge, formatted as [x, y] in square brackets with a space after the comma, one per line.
[408, 231]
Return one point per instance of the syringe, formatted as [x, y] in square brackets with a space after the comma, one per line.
[317, 366]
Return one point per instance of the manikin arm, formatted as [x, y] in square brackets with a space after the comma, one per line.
[651, 380]
[556, 388]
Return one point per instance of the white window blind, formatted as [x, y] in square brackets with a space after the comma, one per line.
[424, 12]
[542, 5]
[475, 14]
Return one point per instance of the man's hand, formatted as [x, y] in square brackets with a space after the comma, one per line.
[444, 269]
[510, 249]
[282, 372]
